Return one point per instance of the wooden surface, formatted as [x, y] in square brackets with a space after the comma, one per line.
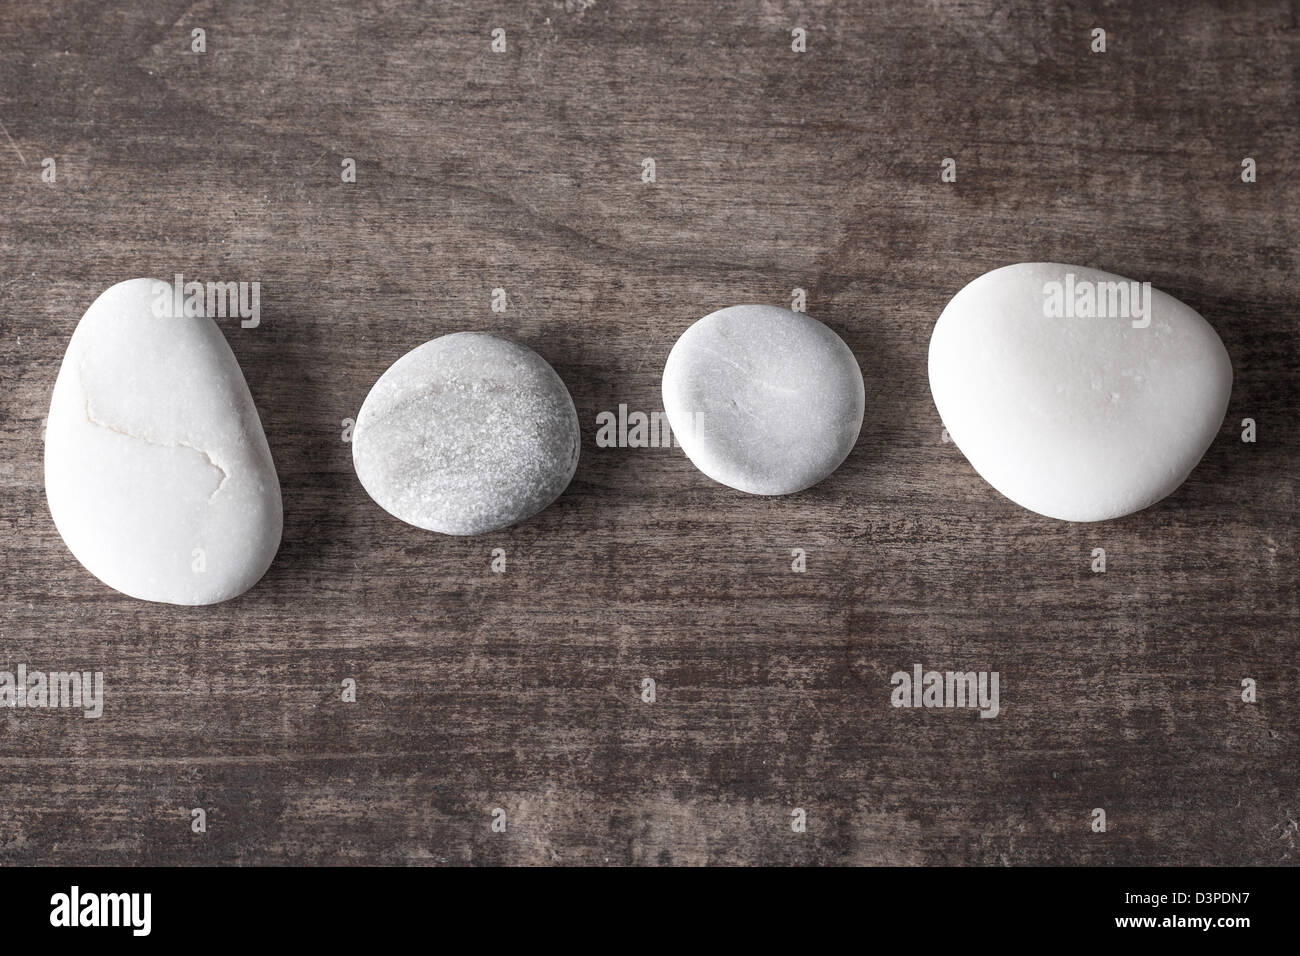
[775, 170]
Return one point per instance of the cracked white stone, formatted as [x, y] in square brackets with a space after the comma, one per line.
[466, 434]
[763, 399]
[1075, 397]
[157, 471]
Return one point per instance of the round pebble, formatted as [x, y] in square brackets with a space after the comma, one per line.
[466, 434]
[763, 399]
[1073, 391]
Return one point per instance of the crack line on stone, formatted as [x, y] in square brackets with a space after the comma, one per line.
[90, 417]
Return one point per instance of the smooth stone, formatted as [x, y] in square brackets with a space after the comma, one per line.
[466, 434]
[763, 399]
[157, 471]
[1081, 419]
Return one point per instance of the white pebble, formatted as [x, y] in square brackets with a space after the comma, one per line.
[1070, 403]
[157, 471]
[763, 399]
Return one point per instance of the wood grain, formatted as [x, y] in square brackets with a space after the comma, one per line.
[775, 170]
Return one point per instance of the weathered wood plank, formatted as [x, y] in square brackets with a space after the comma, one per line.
[775, 170]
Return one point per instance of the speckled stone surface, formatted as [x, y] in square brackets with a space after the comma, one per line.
[157, 470]
[1082, 416]
[763, 399]
[466, 434]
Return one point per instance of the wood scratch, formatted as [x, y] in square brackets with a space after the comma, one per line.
[13, 144]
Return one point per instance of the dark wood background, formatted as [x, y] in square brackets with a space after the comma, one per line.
[775, 170]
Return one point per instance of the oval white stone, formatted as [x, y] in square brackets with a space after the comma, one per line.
[763, 399]
[466, 434]
[1070, 404]
[157, 471]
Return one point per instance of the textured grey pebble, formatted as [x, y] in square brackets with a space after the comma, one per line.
[466, 434]
[763, 399]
